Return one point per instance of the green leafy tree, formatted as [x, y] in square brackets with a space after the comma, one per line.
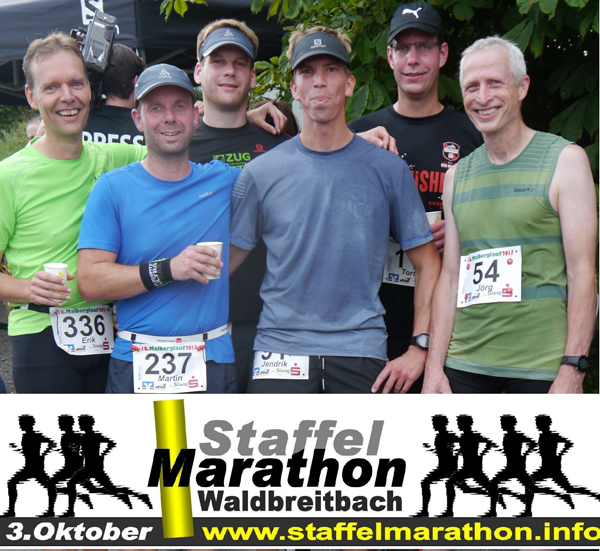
[559, 38]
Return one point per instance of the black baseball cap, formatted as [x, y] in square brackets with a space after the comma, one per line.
[227, 35]
[416, 15]
[318, 43]
[162, 75]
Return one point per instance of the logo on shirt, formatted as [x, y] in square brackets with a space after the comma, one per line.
[205, 195]
[259, 148]
[451, 151]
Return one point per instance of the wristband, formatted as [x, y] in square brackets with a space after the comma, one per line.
[156, 273]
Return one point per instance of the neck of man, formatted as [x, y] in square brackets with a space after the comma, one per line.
[418, 108]
[325, 136]
[170, 168]
[218, 118]
[61, 148]
[120, 102]
[507, 145]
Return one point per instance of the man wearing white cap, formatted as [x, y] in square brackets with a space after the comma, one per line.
[324, 203]
[139, 245]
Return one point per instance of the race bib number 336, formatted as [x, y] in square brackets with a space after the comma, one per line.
[490, 275]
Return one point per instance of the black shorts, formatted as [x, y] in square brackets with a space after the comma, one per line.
[327, 374]
[220, 378]
[463, 382]
[39, 366]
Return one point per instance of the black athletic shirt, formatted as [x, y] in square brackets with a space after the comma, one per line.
[112, 124]
[237, 146]
[429, 145]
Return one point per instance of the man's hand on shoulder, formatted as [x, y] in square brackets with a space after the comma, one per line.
[194, 261]
[258, 117]
[380, 137]
[402, 372]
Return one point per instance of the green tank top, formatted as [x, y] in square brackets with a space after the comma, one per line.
[502, 206]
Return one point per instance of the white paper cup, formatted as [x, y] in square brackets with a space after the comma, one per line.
[56, 268]
[217, 246]
[434, 216]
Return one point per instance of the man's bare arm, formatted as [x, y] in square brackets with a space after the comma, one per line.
[573, 195]
[443, 310]
[101, 278]
[236, 257]
[402, 372]
[44, 288]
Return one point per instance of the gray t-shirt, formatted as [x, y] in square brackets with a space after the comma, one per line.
[325, 218]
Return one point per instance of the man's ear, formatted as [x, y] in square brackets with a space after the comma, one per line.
[197, 73]
[253, 79]
[31, 98]
[137, 119]
[350, 84]
[294, 90]
[443, 54]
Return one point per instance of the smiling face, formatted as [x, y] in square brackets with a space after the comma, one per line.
[61, 92]
[321, 84]
[226, 76]
[417, 67]
[491, 98]
[167, 117]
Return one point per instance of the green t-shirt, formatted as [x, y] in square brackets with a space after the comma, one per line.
[41, 206]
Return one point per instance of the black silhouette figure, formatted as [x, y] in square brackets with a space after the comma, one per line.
[516, 446]
[92, 443]
[469, 443]
[70, 447]
[549, 443]
[444, 447]
[34, 447]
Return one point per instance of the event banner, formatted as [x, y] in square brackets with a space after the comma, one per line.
[292, 471]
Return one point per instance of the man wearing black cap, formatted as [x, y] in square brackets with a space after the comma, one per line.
[144, 242]
[324, 203]
[430, 138]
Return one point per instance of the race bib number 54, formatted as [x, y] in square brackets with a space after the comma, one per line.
[490, 275]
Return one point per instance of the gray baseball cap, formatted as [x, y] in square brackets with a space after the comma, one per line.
[162, 75]
[318, 43]
[227, 35]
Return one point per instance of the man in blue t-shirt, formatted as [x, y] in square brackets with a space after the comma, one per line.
[144, 242]
[324, 203]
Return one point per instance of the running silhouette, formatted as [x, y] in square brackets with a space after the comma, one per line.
[470, 448]
[94, 447]
[516, 446]
[70, 448]
[444, 448]
[34, 447]
[549, 443]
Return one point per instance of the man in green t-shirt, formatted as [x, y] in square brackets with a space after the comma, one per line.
[514, 306]
[60, 342]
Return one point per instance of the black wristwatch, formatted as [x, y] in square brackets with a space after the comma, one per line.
[581, 363]
[422, 341]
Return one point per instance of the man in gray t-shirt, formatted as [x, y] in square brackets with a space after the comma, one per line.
[324, 203]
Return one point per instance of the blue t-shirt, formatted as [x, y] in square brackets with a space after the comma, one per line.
[325, 218]
[142, 218]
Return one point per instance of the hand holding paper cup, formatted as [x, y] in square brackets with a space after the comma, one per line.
[434, 216]
[217, 246]
[56, 268]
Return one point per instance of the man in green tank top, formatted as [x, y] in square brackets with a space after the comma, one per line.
[514, 306]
